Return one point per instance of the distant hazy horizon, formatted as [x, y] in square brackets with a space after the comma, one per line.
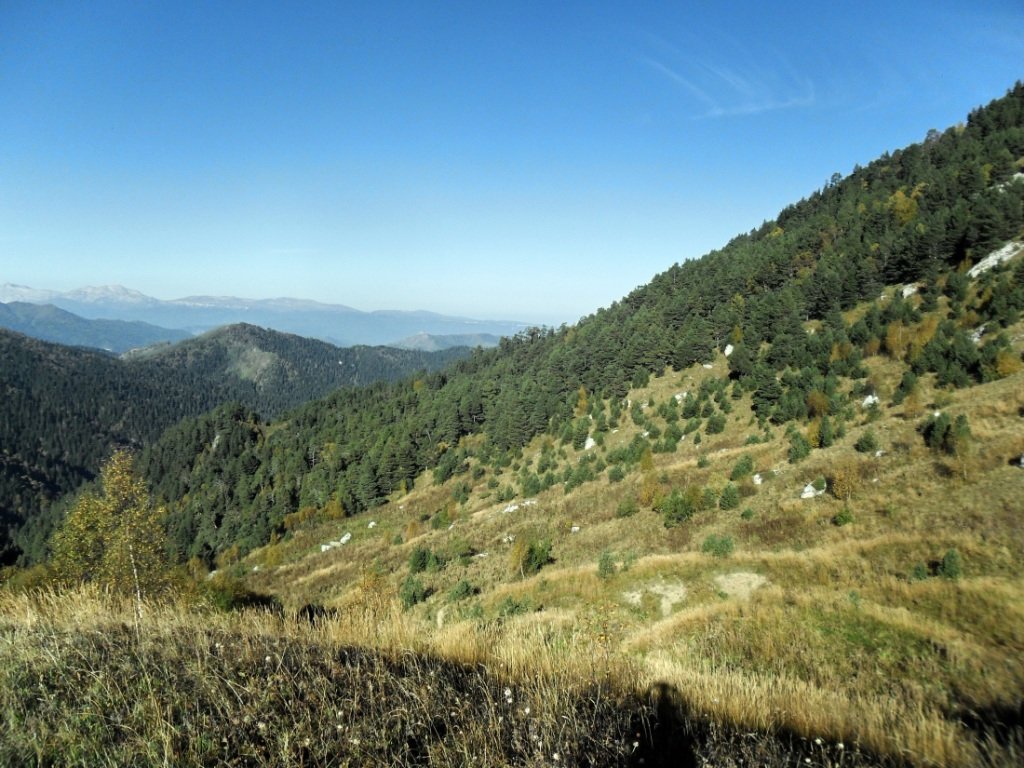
[521, 161]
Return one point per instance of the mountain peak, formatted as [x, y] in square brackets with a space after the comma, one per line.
[108, 294]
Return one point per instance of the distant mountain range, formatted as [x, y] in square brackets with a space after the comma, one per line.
[335, 323]
[49, 323]
[427, 342]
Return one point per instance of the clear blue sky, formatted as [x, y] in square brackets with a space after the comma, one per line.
[516, 160]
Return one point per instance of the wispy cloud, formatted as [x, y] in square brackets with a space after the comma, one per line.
[743, 87]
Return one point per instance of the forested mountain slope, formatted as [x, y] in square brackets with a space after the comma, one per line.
[64, 409]
[272, 372]
[909, 216]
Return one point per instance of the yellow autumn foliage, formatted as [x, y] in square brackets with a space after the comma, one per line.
[114, 536]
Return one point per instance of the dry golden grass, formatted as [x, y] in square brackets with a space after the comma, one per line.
[855, 637]
[842, 643]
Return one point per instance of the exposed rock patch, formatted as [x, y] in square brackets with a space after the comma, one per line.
[740, 584]
[670, 594]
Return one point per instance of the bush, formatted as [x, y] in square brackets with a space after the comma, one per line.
[945, 435]
[423, 559]
[461, 591]
[616, 474]
[715, 425]
[747, 514]
[528, 557]
[412, 592]
[703, 461]
[677, 507]
[606, 565]
[951, 567]
[718, 546]
[843, 517]
[442, 519]
[627, 508]
[744, 466]
[730, 498]
[843, 481]
[867, 443]
[512, 607]
[799, 448]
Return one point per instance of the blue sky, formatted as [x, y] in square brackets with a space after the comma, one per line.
[529, 161]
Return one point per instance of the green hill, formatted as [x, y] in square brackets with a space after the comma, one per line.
[767, 503]
[65, 408]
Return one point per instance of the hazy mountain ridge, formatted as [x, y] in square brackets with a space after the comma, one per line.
[427, 342]
[50, 323]
[335, 323]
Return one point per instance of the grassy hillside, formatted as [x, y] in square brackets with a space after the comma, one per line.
[882, 612]
[877, 623]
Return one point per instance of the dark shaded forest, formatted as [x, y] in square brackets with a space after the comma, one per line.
[65, 409]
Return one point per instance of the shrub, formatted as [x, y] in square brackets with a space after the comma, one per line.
[423, 559]
[528, 557]
[747, 514]
[799, 448]
[442, 519]
[945, 435]
[867, 443]
[703, 461]
[718, 546]
[744, 466]
[627, 508]
[709, 499]
[461, 591]
[616, 474]
[843, 517]
[606, 565]
[412, 592]
[843, 481]
[418, 559]
[677, 507]
[951, 567]
[715, 425]
[730, 498]
[512, 607]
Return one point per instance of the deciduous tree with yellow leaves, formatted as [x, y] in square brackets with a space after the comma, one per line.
[114, 535]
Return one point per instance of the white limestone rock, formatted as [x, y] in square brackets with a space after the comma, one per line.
[995, 258]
